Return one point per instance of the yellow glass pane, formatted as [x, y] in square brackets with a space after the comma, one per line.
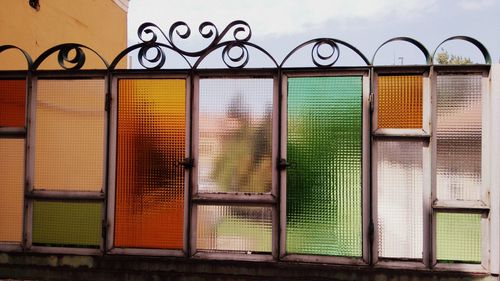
[69, 135]
[150, 182]
[400, 102]
[11, 189]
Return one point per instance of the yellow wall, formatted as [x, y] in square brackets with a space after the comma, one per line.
[99, 24]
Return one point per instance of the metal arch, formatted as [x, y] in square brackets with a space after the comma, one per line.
[63, 50]
[239, 61]
[158, 61]
[475, 42]
[332, 42]
[412, 41]
[29, 61]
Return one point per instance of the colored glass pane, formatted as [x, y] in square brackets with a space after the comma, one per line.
[12, 103]
[11, 189]
[69, 135]
[235, 135]
[458, 237]
[399, 101]
[70, 224]
[324, 179]
[234, 228]
[150, 182]
[399, 192]
[458, 134]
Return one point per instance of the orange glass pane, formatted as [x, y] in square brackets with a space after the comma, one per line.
[400, 102]
[150, 183]
[69, 135]
[11, 189]
[12, 103]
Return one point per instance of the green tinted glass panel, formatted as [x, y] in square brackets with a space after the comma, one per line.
[324, 179]
[458, 237]
[66, 224]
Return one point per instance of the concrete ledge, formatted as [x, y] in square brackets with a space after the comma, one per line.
[136, 268]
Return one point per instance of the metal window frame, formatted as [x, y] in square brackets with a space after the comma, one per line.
[234, 198]
[57, 195]
[481, 206]
[113, 154]
[17, 133]
[364, 73]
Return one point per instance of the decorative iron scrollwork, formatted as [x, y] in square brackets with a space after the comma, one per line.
[77, 61]
[321, 60]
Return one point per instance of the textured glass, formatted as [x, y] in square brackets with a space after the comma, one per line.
[324, 179]
[234, 228]
[235, 135]
[69, 135]
[399, 102]
[458, 134]
[399, 191]
[11, 189]
[458, 237]
[69, 224]
[150, 183]
[12, 103]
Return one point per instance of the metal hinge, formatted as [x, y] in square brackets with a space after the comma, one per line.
[372, 102]
[188, 163]
[371, 232]
[107, 103]
[104, 228]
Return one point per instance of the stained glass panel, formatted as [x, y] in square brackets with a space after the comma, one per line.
[150, 182]
[12, 103]
[324, 179]
[69, 135]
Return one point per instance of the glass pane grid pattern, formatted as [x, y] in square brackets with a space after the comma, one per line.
[12, 189]
[399, 102]
[400, 199]
[458, 237]
[234, 229]
[150, 182]
[324, 179]
[235, 136]
[67, 224]
[459, 141]
[12, 103]
[69, 135]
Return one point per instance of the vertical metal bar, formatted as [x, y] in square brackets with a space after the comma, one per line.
[30, 160]
[275, 171]
[430, 242]
[372, 205]
[188, 154]
[283, 155]
[193, 187]
[494, 112]
[366, 151]
[427, 170]
[105, 186]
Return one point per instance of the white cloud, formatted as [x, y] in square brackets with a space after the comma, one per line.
[474, 5]
[276, 17]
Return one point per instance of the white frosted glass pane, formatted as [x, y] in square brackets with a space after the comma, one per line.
[235, 135]
[400, 183]
[458, 134]
[234, 228]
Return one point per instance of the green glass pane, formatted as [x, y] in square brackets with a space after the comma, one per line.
[66, 224]
[458, 237]
[324, 179]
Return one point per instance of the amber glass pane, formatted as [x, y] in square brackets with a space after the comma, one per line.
[69, 135]
[12, 103]
[400, 102]
[11, 189]
[150, 183]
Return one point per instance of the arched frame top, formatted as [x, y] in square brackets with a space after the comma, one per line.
[420, 46]
[475, 42]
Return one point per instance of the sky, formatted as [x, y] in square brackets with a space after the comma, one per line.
[280, 25]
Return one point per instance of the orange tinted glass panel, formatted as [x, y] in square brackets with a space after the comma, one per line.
[400, 102]
[11, 189]
[69, 135]
[150, 182]
[12, 103]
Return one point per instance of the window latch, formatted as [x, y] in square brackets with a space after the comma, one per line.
[283, 164]
[188, 163]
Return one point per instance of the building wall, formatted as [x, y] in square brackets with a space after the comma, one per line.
[98, 24]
